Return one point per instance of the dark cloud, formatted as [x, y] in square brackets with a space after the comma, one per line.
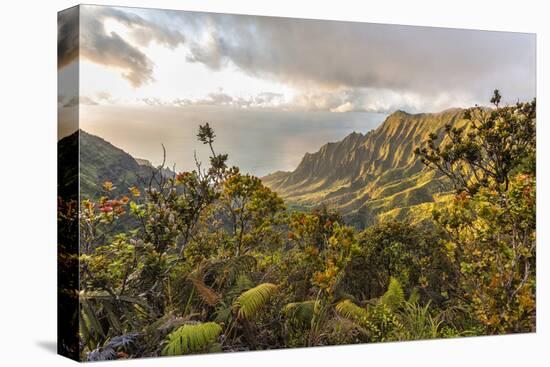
[67, 36]
[109, 48]
[335, 55]
[113, 51]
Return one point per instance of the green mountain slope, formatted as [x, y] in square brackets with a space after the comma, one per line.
[101, 161]
[370, 176]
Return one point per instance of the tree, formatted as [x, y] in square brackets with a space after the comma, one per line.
[492, 246]
[138, 265]
[490, 224]
[487, 149]
[407, 252]
[250, 209]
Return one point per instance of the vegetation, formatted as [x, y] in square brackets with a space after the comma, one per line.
[212, 259]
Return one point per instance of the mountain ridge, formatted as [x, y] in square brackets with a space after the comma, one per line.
[100, 161]
[365, 176]
[368, 174]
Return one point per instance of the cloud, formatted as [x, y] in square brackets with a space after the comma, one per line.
[104, 96]
[67, 36]
[75, 101]
[326, 65]
[332, 55]
[145, 35]
[100, 98]
[343, 100]
[379, 100]
[110, 48]
[220, 98]
[345, 107]
[153, 101]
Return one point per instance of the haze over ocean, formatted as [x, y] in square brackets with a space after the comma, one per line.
[258, 141]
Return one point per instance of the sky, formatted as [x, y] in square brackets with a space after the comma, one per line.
[177, 63]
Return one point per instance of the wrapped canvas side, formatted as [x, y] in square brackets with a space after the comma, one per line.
[68, 184]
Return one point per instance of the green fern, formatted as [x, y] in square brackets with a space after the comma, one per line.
[350, 310]
[300, 313]
[242, 283]
[191, 338]
[414, 297]
[248, 303]
[394, 296]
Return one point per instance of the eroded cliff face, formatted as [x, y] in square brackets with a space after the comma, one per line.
[368, 175]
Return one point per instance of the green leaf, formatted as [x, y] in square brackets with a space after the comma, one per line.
[191, 338]
[249, 302]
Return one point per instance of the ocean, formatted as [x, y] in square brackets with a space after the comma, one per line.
[258, 141]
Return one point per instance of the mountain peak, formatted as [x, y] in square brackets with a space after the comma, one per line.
[399, 113]
[367, 174]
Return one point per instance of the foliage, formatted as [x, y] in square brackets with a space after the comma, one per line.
[492, 245]
[250, 210]
[409, 253]
[418, 323]
[300, 313]
[487, 149]
[191, 338]
[394, 296]
[249, 303]
[212, 260]
[350, 310]
[491, 222]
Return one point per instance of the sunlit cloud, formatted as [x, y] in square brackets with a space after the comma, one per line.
[180, 59]
[109, 48]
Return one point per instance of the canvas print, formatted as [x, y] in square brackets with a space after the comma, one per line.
[233, 183]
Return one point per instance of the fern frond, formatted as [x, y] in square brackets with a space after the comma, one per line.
[206, 293]
[300, 312]
[350, 310]
[414, 296]
[242, 283]
[223, 314]
[249, 302]
[191, 338]
[394, 296]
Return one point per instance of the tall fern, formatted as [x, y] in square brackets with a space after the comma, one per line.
[191, 338]
[394, 296]
[248, 303]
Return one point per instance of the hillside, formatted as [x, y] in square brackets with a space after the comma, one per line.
[101, 161]
[367, 176]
